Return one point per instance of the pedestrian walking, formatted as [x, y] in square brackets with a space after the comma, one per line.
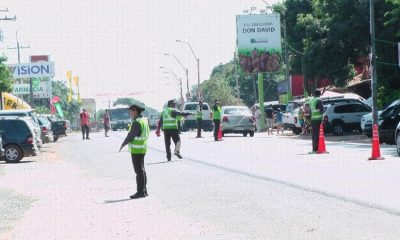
[269, 119]
[137, 142]
[168, 123]
[279, 120]
[317, 110]
[84, 117]
[106, 121]
[199, 118]
[257, 117]
[216, 117]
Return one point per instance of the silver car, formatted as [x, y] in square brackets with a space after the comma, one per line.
[237, 119]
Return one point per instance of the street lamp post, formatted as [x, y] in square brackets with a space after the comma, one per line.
[198, 66]
[184, 69]
[176, 78]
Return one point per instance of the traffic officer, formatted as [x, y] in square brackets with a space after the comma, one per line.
[168, 123]
[199, 118]
[137, 142]
[216, 117]
[317, 109]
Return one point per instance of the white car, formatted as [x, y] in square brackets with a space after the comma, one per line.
[237, 119]
[191, 122]
[290, 121]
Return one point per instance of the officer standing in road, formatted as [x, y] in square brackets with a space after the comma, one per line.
[317, 109]
[199, 118]
[168, 123]
[137, 140]
[216, 117]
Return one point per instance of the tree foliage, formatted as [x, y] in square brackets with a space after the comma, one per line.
[5, 79]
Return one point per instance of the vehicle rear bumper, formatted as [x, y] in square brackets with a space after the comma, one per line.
[238, 129]
[30, 150]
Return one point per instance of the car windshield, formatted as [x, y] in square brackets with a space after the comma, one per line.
[236, 111]
[119, 114]
[391, 109]
[193, 107]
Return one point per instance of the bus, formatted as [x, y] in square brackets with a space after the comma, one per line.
[119, 117]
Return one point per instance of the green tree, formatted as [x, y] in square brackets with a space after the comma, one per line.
[5, 79]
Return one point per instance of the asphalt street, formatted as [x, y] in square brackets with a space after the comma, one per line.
[265, 187]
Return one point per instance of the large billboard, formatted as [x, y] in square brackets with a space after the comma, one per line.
[259, 42]
[32, 70]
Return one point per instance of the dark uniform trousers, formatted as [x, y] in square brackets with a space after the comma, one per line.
[217, 122]
[174, 134]
[85, 129]
[141, 179]
[199, 123]
[315, 134]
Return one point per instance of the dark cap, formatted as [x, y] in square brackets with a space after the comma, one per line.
[136, 107]
[171, 102]
[217, 100]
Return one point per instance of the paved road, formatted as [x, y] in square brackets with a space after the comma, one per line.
[266, 187]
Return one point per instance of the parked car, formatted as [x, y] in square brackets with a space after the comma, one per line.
[1, 147]
[388, 121]
[290, 121]
[237, 119]
[153, 121]
[397, 137]
[18, 138]
[366, 124]
[344, 116]
[33, 118]
[58, 127]
[45, 127]
[190, 122]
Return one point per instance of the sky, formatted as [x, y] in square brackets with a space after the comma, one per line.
[117, 47]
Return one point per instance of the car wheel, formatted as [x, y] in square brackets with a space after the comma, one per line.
[55, 138]
[223, 134]
[13, 154]
[398, 143]
[251, 134]
[338, 129]
[245, 134]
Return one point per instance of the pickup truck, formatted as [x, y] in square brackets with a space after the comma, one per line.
[290, 121]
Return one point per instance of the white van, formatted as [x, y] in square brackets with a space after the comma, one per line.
[190, 121]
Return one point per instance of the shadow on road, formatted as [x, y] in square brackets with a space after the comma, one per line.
[116, 201]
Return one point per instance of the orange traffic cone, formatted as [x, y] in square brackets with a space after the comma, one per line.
[321, 142]
[376, 152]
[220, 132]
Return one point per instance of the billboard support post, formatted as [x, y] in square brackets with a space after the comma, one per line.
[261, 100]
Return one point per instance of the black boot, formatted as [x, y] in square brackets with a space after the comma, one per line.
[138, 195]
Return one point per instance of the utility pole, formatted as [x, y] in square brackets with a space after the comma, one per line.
[373, 64]
[289, 91]
[18, 47]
